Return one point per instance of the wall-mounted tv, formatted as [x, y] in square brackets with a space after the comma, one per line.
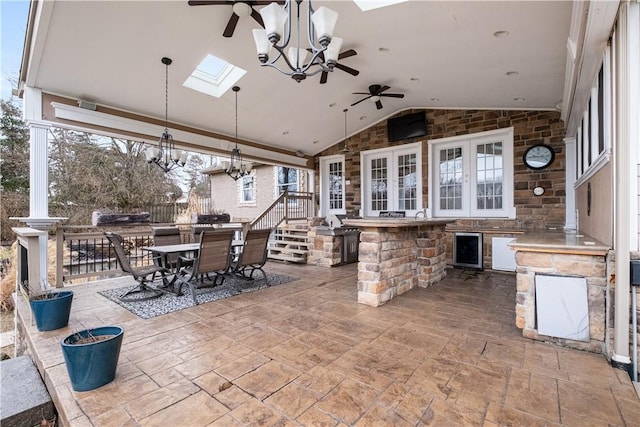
[407, 126]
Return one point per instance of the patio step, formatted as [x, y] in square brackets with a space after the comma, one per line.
[289, 243]
[24, 397]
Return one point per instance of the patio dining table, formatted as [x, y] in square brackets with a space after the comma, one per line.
[162, 252]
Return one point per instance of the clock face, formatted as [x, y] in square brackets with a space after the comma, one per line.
[539, 156]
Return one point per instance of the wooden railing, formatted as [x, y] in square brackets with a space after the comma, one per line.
[289, 206]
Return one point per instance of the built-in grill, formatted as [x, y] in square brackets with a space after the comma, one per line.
[350, 236]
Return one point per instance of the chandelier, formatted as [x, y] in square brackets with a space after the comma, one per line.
[277, 35]
[236, 169]
[165, 155]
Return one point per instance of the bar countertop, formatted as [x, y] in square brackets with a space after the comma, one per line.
[393, 222]
[559, 242]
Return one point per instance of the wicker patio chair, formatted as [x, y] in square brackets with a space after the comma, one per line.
[214, 257]
[254, 254]
[140, 274]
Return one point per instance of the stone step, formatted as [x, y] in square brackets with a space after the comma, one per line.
[25, 399]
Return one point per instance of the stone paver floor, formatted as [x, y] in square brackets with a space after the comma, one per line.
[306, 354]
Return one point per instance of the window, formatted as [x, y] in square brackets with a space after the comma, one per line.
[391, 180]
[287, 179]
[332, 184]
[248, 189]
[472, 175]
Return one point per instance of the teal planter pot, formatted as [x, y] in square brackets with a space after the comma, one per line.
[51, 310]
[92, 364]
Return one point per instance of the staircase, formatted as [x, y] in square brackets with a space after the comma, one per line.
[289, 242]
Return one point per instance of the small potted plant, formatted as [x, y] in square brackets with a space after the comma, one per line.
[91, 356]
[50, 308]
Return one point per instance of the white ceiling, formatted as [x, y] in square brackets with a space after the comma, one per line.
[109, 52]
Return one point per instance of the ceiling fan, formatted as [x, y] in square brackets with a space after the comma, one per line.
[346, 54]
[375, 93]
[240, 8]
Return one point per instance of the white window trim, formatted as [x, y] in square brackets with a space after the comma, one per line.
[506, 135]
[253, 202]
[413, 147]
[276, 189]
[324, 192]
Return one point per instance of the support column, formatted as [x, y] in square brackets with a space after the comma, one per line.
[570, 222]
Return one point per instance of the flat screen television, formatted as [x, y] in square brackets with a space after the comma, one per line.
[407, 126]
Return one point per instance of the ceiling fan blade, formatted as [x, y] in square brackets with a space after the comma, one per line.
[231, 25]
[383, 88]
[349, 70]
[347, 54]
[256, 15]
[323, 77]
[206, 2]
[393, 95]
[379, 105]
[363, 99]
[362, 93]
[264, 3]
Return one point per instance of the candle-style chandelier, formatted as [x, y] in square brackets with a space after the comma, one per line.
[236, 169]
[277, 35]
[165, 155]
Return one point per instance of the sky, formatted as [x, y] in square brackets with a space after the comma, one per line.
[13, 25]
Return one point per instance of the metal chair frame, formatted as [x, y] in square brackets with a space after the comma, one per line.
[140, 274]
[254, 254]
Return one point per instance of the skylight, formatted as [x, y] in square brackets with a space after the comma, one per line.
[375, 4]
[214, 76]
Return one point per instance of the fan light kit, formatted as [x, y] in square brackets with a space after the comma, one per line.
[277, 35]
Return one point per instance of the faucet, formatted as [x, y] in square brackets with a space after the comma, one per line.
[423, 212]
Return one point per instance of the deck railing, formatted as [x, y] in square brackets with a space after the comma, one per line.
[289, 206]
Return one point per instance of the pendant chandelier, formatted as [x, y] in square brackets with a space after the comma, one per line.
[236, 169]
[165, 155]
[277, 35]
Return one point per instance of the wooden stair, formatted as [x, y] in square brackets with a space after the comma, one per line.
[289, 243]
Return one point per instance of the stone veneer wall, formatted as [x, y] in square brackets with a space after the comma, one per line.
[395, 260]
[324, 251]
[592, 267]
[529, 127]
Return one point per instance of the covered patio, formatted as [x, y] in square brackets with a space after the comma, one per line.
[306, 353]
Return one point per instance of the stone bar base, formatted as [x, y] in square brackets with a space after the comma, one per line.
[562, 255]
[325, 250]
[397, 255]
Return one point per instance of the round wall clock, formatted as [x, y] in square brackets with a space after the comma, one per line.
[539, 156]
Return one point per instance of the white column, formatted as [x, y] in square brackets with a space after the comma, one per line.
[570, 179]
[39, 170]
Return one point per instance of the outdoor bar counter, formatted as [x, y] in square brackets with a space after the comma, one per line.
[396, 254]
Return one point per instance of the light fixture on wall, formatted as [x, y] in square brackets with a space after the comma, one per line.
[165, 155]
[345, 149]
[277, 35]
[236, 169]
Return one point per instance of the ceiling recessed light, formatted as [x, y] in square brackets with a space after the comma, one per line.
[414, 79]
[512, 73]
[384, 49]
[501, 34]
[316, 141]
[363, 117]
[435, 99]
[333, 104]
[519, 99]
[286, 132]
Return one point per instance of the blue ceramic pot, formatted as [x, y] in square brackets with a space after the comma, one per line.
[92, 364]
[51, 311]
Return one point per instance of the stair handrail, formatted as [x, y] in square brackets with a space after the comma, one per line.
[282, 209]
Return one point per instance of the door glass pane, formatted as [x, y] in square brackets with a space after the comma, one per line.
[450, 168]
[335, 185]
[407, 182]
[489, 176]
[379, 197]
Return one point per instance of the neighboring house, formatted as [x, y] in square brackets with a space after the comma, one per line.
[250, 195]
